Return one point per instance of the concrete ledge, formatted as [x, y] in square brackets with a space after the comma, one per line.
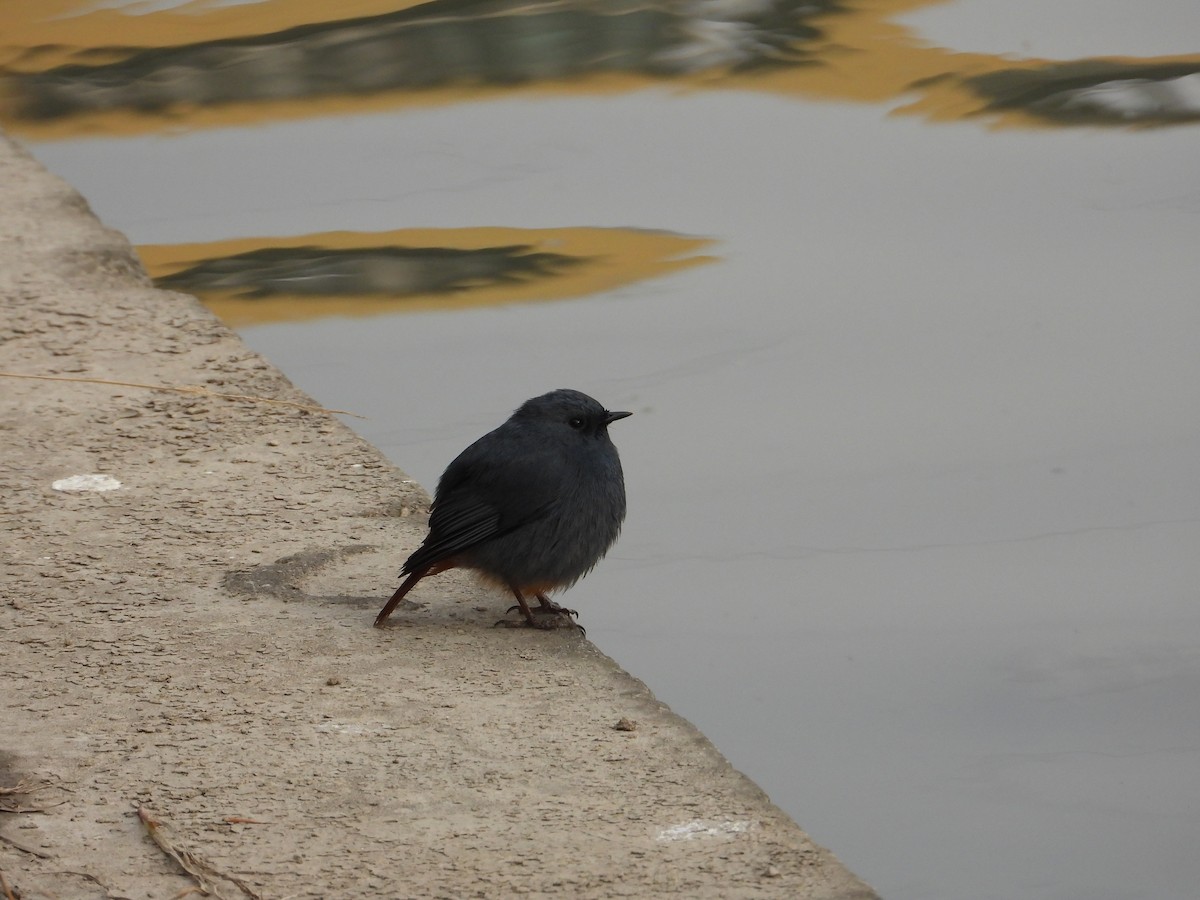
[197, 644]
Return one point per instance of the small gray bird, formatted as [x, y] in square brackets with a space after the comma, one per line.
[531, 506]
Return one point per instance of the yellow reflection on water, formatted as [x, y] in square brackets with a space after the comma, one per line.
[38, 34]
[74, 70]
[571, 262]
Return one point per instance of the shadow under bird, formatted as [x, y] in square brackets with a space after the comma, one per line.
[531, 507]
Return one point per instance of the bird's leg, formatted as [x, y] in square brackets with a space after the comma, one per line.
[521, 605]
[399, 595]
[542, 618]
[546, 605]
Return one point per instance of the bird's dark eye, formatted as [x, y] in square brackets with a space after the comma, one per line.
[576, 423]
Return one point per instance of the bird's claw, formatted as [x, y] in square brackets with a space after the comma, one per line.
[549, 606]
[544, 619]
[545, 610]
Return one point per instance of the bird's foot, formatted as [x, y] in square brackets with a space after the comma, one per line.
[544, 618]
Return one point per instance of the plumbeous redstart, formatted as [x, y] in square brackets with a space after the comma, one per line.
[531, 506]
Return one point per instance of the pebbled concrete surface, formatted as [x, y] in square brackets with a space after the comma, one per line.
[197, 645]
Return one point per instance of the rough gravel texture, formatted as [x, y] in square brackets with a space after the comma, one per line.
[197, 645]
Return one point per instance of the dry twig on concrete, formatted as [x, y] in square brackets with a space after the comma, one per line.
[200, 869]
[9, 796]
[12, 842]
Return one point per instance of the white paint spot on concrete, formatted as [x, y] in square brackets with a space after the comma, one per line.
[79, 483]
[690, 831]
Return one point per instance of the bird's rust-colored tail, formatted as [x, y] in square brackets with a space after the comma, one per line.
[399, 595]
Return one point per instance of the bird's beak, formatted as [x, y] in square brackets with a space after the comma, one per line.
[610, 417]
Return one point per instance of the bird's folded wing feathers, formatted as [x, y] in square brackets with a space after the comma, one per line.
[467, 510]
[453, 527]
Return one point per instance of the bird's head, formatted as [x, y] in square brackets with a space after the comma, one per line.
[572, 410]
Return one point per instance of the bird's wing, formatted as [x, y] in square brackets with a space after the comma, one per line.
[485, 493]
